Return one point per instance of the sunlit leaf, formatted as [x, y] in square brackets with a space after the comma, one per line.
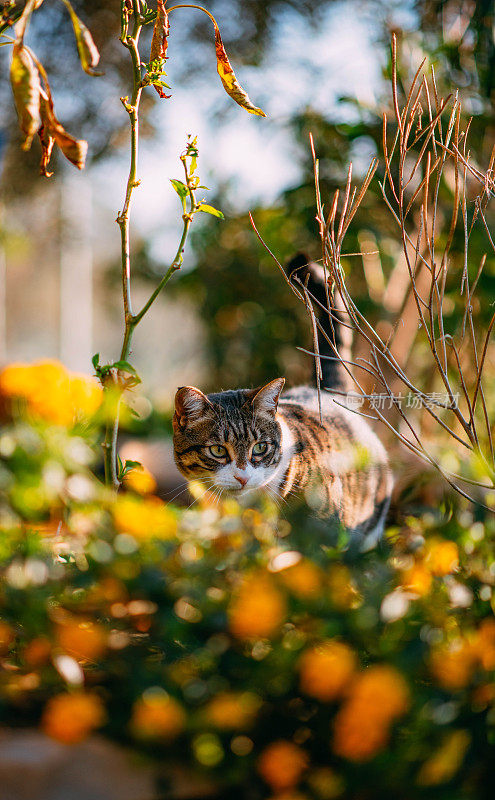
[229, 80]
[210, 210]
[180, 188]
[88, 52]
[46, 139]
[25, 81]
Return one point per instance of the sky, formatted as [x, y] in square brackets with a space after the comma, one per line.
[252, 156]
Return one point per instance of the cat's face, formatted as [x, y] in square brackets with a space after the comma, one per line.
[230, 440]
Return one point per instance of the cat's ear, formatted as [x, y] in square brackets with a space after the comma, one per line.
[190, 405]
[266, 398]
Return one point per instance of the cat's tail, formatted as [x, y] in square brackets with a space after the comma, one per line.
[334, 374]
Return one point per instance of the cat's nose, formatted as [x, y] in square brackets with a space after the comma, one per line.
[242, 481]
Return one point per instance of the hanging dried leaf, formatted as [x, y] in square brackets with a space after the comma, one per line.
[161, 30]
[25, 81]
[46, 139]
[228, 78]
[88, 52]
[52, 131]
[158, 51]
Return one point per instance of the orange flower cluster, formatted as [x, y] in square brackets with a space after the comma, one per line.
[6, 637]
[377, 697]
[304, 579]
[453, 664]
[140, 480]
[144, 517]
[439, 558]
[49, 392]
[69, 718]
[281, 765]
[258, 609]
[82, 639]
[325, 670]
[157, 716]
[232, 710]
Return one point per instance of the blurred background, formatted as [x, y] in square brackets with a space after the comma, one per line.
[227, 319]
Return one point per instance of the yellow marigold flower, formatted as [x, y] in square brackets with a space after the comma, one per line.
[230, 710]
[258, 609]
[6, 637]
[453, 665]
[444, 763]
[51, 393]
[341, 590]
[157, 716]
[85, 395]
[144, 517]
[140, 480]
[282, 764]
[358, 737]
[381, 691]
[442, 556]
[417, 579]
[82, 639]
[304, 579]
[325, 670]
[71, 717]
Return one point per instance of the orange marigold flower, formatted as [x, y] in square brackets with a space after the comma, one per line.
[453, 665]
[258, 609]
[157, 716]
[232, 710]
[417, 579]
[358, 737]
[6, 637]
[281, 765]
[326, 669]
[140, 480]
[442, 556]
[71, 717]
[37, 652]
[485, 644]
[304, 579]
[82, 639]
[144, 517]
[381, 691]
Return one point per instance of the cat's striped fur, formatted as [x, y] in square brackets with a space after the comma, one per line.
[247, 439]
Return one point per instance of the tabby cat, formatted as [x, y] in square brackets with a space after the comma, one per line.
[257, 439]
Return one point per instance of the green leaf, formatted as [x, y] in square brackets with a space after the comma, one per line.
[180, 188]
[96, 360]
[210, 210]
[125, 366]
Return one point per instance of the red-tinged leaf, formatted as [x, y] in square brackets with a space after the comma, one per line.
[229, 80]
[74, 150]
[161, 30]
[88, 52]
[25, 81]
[46, 139]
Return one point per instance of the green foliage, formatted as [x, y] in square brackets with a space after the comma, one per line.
[201, 637]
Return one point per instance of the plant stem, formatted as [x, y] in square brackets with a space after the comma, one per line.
[132, 108]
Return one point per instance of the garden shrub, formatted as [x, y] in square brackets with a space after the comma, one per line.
[248, 646]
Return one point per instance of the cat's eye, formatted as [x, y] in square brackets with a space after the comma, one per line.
[260, 448]
[218, 450]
